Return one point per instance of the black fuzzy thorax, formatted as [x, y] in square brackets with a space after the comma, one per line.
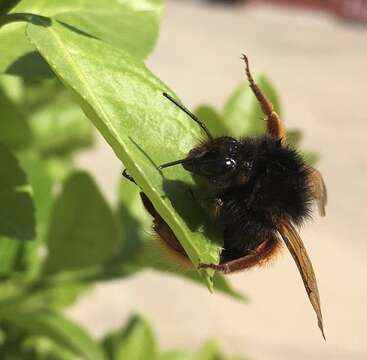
[277, 188]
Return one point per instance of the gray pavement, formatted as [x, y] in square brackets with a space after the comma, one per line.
[320, 68]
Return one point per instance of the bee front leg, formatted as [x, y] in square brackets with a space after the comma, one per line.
[212, 204]
[128, 177]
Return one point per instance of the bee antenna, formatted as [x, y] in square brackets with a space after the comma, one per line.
[173, 163]
[188, 112]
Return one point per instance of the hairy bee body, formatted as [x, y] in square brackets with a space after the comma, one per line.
[267, 183]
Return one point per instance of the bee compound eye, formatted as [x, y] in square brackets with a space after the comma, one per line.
[230, 163]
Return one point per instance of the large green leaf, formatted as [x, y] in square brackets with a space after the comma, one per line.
[242, 113]
[124, 100]
[129, 24]
[134, 342]
[58, 328]
[17, 219]
[82, 230]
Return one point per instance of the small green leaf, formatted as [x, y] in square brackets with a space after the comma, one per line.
[82, 229]
[17, 220]
[242, 113]
[129, 24]
[135, 342]
[213, 121]
[124, 101]
[58, 328]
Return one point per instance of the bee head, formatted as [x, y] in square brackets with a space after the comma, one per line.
[218, 163]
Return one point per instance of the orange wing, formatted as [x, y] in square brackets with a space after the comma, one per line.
[303, 262]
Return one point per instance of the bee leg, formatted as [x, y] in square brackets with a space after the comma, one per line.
[211, 204]
[128, 177]
[274, 126]
[257, 257]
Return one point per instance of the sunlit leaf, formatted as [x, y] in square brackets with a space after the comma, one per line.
[124, 100]
[113, 21]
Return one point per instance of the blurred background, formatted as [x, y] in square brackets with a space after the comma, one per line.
[316, 56]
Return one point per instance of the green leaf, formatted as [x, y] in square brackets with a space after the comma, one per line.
[58, 328]
[140, 250]
[82, 229]
[12, 86]
[124, 100]
[14, 129]
[209, 351]
[9, 256]
[213, 121]
[242, 113]
[128, 24]
[41, 183]
[43, 348]
[17, 220]
[60, 127]
[135, 342]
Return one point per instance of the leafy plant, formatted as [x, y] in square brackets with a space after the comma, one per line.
[66, 69]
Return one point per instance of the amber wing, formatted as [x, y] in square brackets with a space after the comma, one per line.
[303, 262]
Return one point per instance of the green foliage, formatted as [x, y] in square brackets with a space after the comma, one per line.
[125, 103]
[136, 342]
[112, 21]
[80, 67]
[82, 230]
[16, 206]
[57, 328]
[242, 112]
